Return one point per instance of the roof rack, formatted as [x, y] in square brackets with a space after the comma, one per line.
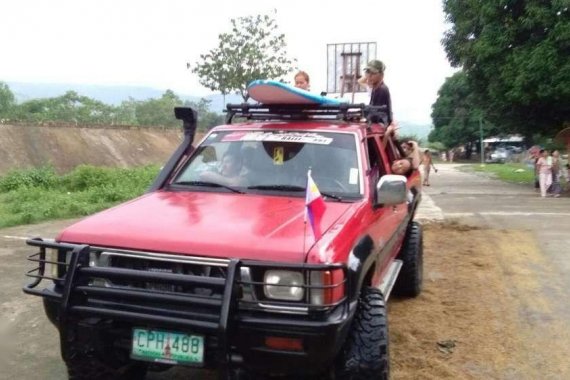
[342, 111]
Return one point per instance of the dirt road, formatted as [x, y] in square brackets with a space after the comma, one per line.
[494, 305]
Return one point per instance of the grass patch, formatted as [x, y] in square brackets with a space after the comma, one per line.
[35, 195]
[511, 172]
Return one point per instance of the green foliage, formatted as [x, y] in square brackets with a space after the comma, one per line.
[158, 111]
[81, 110]
[70, 107]
[254, 49]
[30, 196]
[7, 100]
[19, 179]
[455, 114]
[206, 118]
[515, 54]
[516, 173]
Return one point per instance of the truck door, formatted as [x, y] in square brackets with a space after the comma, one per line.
[385, 220]
[392, 154]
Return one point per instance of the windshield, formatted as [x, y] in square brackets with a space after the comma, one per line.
[275, 162]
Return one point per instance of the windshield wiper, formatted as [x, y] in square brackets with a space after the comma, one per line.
[209, 184]
[292, 188]
[329, 195]
[277, 187]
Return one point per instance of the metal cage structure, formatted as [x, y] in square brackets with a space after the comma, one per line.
[344, 66]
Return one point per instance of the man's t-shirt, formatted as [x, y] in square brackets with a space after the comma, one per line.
[381, 97]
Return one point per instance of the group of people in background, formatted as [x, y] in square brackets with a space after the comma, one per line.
[547, 170]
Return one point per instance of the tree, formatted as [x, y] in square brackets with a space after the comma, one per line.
[70, 107]
[515, 54]
[126, 113]
[206, 118]
[7, 100]
[455, 114]
[158, 111]
[253, 50]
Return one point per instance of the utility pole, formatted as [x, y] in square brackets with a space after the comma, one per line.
[481, 138]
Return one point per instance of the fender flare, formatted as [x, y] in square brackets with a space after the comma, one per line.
[360, 260]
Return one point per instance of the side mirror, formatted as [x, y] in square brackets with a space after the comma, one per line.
[391, 190]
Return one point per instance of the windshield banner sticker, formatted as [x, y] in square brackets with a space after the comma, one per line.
[307, 138]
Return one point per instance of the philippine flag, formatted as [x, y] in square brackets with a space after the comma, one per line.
[315, 206]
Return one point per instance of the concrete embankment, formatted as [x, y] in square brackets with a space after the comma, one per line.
[64, 147]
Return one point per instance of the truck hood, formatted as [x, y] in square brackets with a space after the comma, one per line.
[208, 224]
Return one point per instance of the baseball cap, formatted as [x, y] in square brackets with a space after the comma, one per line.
[375, 66]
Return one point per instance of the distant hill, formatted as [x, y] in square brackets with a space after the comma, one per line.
[116, 94]
[113, 95]
[417, 129]
[107, 94]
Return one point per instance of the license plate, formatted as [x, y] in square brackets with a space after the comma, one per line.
[167, 347]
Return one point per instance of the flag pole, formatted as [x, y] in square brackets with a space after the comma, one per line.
[305, 209]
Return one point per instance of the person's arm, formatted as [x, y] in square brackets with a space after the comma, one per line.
[388, 134]
[415, 155]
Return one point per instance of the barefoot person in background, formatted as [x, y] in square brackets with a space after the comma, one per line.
[427, 161]
[555, 188]
[544, 169]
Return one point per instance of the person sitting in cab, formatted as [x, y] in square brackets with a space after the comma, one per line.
[228, 173]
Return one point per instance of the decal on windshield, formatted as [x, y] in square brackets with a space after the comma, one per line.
[353, 177]
[307, 138]
[278, 153]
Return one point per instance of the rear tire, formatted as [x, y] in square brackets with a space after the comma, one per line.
[365, 355]
[410, 279]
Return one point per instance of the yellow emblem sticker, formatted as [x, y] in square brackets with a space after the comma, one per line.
[278, 153]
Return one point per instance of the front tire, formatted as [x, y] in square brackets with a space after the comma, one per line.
[365, 355]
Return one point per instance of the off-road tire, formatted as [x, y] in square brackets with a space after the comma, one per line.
[85, 362]
[409, 282]
[365, 355]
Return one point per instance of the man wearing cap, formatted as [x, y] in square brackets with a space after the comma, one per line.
[380, 95]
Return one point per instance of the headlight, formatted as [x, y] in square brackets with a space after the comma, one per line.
[51, 269]
[99, 259]
[284, 285]
[56, 263]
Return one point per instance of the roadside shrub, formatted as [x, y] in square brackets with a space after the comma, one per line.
[31, 198]
[44, 177]
[84, 177]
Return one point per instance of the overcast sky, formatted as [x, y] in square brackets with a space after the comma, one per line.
[140, 42]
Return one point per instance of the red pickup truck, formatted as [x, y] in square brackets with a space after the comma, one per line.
[218, 266]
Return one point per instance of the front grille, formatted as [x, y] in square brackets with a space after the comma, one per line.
[174, 289]
[155, 263]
